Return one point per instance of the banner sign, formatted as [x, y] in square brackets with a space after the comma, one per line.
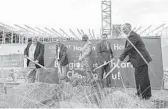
[15, 60]
[165, 53]
[123, 74]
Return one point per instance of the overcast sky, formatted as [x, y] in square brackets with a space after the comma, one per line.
[83, 14]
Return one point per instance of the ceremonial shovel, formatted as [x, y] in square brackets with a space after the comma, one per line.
[103, 65]
[37, 63]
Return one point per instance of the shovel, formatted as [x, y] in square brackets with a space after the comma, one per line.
[103, 65]
[37, 63]
[110, 71]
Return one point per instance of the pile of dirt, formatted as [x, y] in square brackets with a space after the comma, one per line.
[30, 95]
[122, 99]
[65, 95]
[42, 95]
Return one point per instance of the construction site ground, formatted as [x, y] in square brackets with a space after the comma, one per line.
[33, 95]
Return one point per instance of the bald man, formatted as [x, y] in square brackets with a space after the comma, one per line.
[141, 67]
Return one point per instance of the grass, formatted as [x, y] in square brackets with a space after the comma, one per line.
[69, 94]
[65, 95]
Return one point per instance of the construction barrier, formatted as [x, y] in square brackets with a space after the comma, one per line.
[15, 60]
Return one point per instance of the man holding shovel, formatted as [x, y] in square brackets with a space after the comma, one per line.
[85, 57]
[62, 59]
[34, 52]
[105, 54]
[139, 57]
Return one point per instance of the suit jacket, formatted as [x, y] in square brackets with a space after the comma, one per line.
[85, 56]
[134, 56]
[38, 54]
[104, 53]
[63, 58]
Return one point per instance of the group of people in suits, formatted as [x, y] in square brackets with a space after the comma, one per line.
[134, 48]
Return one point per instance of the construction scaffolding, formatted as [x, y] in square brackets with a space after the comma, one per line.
[22, 34]
[106, 17]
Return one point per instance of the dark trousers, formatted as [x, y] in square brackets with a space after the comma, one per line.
[142, 81]
[108, 80]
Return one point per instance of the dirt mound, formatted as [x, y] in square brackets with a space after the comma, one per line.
[66, 95]
[31, 95]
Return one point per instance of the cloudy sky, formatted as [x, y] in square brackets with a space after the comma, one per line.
[82, 14]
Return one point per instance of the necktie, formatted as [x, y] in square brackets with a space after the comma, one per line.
[107, 45]
[58, 51]
[126, 43]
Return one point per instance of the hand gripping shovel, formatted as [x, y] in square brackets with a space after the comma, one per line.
[32, 74]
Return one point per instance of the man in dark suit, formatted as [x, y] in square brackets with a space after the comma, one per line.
[105, 54]
[62, 59]
[139, 61]
[35, 51]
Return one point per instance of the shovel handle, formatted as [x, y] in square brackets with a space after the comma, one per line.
[110, 71]
[103, 65]
[36, 63]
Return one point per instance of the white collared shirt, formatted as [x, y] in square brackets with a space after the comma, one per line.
[31, 51]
